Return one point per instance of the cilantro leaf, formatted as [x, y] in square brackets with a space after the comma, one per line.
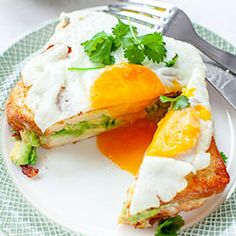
[224, 157]
[91, 45]
[181, 102]
[151, 46]
[154, 47]
[166, 99]
[172, 61]
[170, 226]
[99, 48]
[178, 103]
[120, 32]
[134, 54]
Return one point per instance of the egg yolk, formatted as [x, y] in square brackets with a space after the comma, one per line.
[125, 83]
[188, 92]
[204, 114]
[126, 146]
[177, 132]
[176, 86]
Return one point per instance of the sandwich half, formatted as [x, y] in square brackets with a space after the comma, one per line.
[63, 97]
[182, 166]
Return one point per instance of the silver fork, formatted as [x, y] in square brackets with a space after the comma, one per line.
[173, 22]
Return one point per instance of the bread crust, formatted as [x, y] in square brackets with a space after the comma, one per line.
[18, 114]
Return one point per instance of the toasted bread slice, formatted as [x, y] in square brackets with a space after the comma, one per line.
[21, 118]
[201, 186]
[18, 115]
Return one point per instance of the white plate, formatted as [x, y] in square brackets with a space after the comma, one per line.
[81, 189]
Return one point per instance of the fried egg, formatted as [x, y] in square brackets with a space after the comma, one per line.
[55, 93]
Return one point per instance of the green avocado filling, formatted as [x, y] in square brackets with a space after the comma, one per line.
[24, 150]
[30, 138]
[103, 122]
[143, 215]
[133, 219]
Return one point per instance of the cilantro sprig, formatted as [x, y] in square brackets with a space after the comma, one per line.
[177, 103]
[224, 157]
[172, 61]
[99, 48]
[170, 226]
[136, 48]
[84, 68]
[151, 46]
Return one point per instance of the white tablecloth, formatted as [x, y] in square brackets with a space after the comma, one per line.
[18, 17]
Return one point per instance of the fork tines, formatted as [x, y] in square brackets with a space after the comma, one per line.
[152, 3]
[150, 12]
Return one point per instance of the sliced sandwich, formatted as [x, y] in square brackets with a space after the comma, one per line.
[97, 73]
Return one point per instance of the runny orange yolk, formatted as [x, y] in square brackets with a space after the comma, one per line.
[177, 132]
[175, 87]
[126, 146]
[203, 113]
[125, 83]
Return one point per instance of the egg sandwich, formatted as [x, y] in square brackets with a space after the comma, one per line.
[97, 73]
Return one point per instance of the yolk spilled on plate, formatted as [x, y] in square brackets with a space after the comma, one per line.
[125, 146]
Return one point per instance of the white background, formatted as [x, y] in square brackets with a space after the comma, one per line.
[18, 17]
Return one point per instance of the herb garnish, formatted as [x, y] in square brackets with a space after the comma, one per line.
[224, 157]
[172, 61]
[170, 226]
[177, 103]
[99, 48]
[136, 48]
[85, 68]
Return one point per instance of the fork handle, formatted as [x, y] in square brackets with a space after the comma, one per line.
[223, 58]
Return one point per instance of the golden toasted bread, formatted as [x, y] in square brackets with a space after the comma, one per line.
[201, 186]
[20, 117]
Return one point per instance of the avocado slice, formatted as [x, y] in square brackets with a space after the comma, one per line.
[24, 150]
[23, 154]
[30, 138]
[33, 156]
